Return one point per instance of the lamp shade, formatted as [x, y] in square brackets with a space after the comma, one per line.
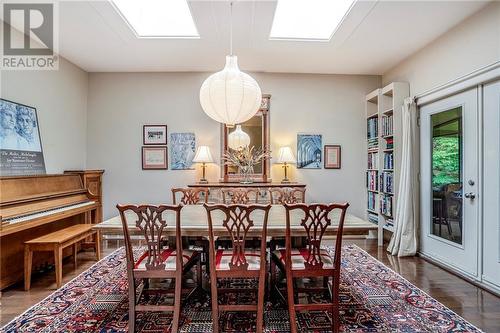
[230, 96]
[238, 139]
[203, 155]
[285, 155]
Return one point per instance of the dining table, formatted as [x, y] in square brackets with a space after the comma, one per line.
[194, 222]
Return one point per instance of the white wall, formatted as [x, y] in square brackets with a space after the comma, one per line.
[471, 45]
[60, 98]
[120, 103]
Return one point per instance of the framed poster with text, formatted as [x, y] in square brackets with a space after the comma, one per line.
[20, 144]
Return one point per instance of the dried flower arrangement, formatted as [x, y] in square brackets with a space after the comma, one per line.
[245, 158]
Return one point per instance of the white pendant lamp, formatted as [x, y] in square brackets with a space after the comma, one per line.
[230, 96]
[238, 139]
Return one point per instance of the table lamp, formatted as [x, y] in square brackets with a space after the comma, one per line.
[285, 156]
[203, 156]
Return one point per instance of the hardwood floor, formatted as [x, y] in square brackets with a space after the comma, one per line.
[14, 300]
[474, 304]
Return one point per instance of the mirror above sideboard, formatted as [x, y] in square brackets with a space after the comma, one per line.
[257, 129]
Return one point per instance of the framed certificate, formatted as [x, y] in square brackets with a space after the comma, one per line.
[154, 158]
[332, 156]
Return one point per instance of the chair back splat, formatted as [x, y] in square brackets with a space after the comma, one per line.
[190, 196]
[287, 195]
[237, 195]
[315, 222]
[151, 222]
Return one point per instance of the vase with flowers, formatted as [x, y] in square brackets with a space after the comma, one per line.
[245, 158]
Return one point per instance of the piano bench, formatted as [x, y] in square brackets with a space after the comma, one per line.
[56, 242]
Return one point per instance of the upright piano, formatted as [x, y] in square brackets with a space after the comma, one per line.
[31, 206]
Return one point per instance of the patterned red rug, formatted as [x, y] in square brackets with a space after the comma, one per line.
[373, 299]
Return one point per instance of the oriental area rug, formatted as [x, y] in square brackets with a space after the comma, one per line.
[373, 298]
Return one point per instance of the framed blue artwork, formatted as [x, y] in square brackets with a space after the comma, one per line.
[182, 150]
[309, 151]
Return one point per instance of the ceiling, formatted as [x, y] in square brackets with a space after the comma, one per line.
[374, 36]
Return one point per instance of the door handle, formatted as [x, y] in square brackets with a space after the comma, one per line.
[470, 195]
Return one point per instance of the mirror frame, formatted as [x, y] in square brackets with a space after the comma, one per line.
[266, 163]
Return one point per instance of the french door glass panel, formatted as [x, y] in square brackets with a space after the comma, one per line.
[449, 175]
[446, 220]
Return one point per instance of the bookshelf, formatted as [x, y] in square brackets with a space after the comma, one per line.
[383, 136]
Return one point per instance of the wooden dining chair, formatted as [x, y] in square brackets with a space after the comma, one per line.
[194, 196]
[239, 195]
[190, 196]
[157, 261]
[287, 195]
[313, 260]
[238, 261]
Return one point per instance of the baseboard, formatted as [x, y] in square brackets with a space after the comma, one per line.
[449, 269]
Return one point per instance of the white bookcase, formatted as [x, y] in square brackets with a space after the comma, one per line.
[383, 137]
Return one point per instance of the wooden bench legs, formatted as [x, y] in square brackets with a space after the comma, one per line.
[57, 249]
[58, 257]
[75, 252]
[58, 263]
[97, 245]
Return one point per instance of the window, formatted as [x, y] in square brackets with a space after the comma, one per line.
[158, 18]
[308, 20]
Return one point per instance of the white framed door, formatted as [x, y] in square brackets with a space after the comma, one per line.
[491, 184]
[449, 178]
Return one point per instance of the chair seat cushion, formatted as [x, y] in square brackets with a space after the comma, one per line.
[223, 258]
[299, 257]
[168, 257]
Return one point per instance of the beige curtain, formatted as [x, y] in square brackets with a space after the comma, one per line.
[404, 240]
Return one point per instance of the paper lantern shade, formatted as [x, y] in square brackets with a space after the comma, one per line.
[230, 96]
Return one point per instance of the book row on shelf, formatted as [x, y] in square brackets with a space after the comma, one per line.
[386, 182]
[386, 205]
[389, 143]
[386, 125]
[372, 201]
[372, 180]
[388, 160]
[372, 160]
[372, 128]
[372, 143]
[373, 218]
[389, 222]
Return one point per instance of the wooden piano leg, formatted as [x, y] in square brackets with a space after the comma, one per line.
[58, 262]
[28, 260]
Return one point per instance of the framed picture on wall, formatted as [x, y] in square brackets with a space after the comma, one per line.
[154, 134]
[182, 151]
[154, 158]
[332, 156]
[20, 143]
[309, 151]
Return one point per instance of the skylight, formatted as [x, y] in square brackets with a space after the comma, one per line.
[158, 18]
[308, 20]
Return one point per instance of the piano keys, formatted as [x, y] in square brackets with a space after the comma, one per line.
[43, 213]
[32, 206]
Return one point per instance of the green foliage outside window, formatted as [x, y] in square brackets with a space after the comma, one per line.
[445, 160]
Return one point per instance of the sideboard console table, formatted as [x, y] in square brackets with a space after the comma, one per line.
[216, 196]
